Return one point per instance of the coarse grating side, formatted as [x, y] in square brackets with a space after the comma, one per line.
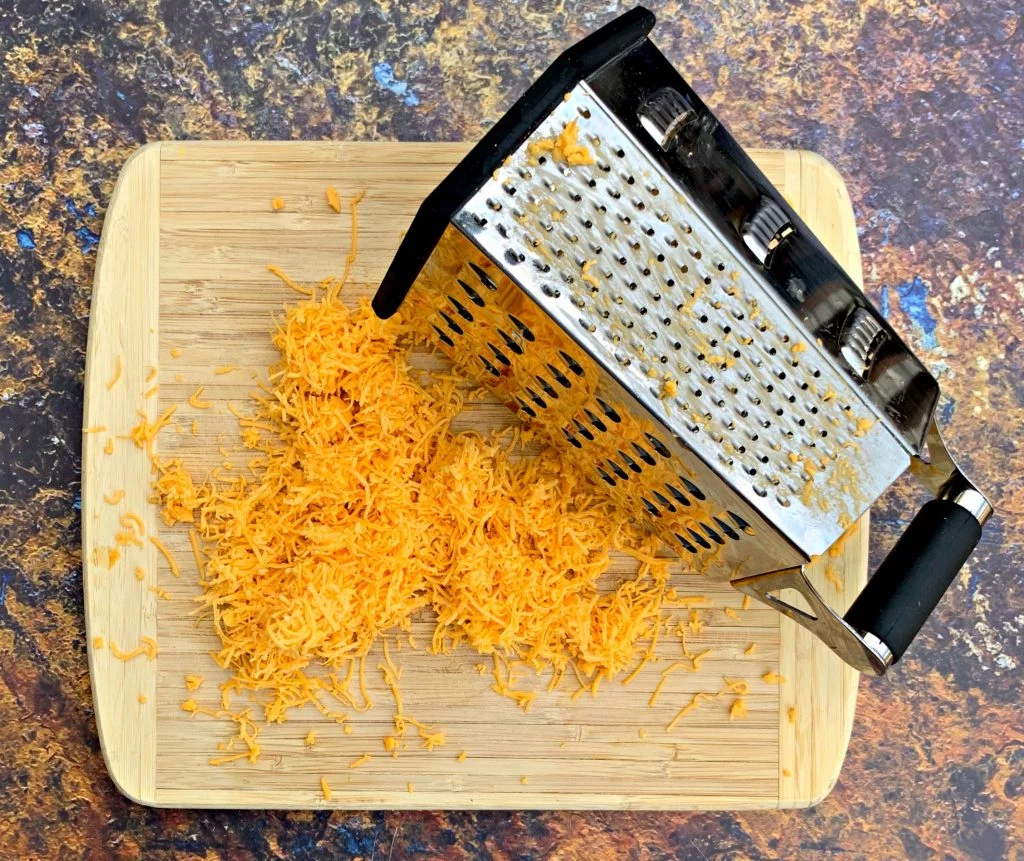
[616, 254]
[493, 330]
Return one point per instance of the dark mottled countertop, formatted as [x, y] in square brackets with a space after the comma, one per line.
[919, 103]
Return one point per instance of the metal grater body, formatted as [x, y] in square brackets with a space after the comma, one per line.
[600, 303]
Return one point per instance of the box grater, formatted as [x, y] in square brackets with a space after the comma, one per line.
[612, 265]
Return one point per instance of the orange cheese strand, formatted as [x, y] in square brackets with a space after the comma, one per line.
[159, 545]
[298, 288]
[117, 373]
[333, 199]
[198, 404]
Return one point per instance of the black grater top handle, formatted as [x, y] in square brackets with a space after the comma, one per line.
[899, 598]
[575, 64]
[896, 602]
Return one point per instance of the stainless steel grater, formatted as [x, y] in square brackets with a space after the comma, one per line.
[644, 296]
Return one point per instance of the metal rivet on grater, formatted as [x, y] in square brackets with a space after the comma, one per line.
[662, 314]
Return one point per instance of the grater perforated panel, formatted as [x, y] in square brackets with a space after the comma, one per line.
[491, 329]
[617, 255]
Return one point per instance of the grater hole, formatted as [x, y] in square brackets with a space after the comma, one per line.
[461, 309]
[700, 539]
[695, 491]
[596, 422]
[583, 111]
[560, 378]
[652, 509]
[605, 477]
[618, 470]
[664, 502]
[714, 536]
[495, 205]
[493, 371]
[608, 411]
[677, 494]
[644, 454]
[741, 524]
[510, 342]
[444, 337]
[727, 529]
[485, 279]
[551, 291]
[658, 445]
[524, 330]
[540, 402]
[685, 543]
[632, 464]
[532, 413]
[620, 153]
[500, 356]
[567, 434]
[474, 297]
[450, 323]
[549, 390]
[584, 431]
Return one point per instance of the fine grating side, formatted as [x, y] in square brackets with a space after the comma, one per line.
[615, 253]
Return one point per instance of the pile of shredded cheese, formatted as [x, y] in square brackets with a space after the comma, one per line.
[366, 509]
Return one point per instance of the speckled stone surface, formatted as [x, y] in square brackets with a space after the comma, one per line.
[919, 103]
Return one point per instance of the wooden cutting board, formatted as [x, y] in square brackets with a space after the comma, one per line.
[183, 266]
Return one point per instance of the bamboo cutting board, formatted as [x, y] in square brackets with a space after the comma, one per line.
[183, 266]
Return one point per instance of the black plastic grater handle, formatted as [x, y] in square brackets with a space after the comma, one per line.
[896, 602]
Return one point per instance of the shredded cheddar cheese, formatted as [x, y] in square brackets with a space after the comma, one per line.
[146, 647]
[362, 760]
[462, 756]
[193, 682]
[176, 352]
[276, 204]
[172, 564]
[565, 148]
[773, 678]
[738, 709]
[94, 429]
[109, 447]
[333, 200]
[325, 789]
[298, 288]
[117, 373]
[143, 699]
[791, 714]
[140, 573]
[160, 593]
[97, 642]
[194, 401]
[310, 739]
[750, 649]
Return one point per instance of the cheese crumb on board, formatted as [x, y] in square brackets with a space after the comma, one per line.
[325, 789]
[277, 204]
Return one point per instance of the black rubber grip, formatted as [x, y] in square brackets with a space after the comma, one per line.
[898, 600]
